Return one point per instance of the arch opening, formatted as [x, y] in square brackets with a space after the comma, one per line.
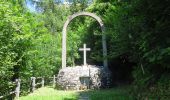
[64, 35]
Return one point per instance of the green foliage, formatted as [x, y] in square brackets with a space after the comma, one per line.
[138, 31]
[15, 36]
[54, 16]
[78, 5]
[26, 47]
[43, 59]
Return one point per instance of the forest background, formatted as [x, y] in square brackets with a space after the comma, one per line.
[137, 32]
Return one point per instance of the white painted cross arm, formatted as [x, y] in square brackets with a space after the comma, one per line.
[82, 49]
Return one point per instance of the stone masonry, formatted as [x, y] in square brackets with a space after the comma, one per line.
[69, 78]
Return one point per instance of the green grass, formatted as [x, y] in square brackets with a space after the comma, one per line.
[47, 93]
[110, 94]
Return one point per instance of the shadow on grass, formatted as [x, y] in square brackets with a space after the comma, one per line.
[107, 94]
[69, 99]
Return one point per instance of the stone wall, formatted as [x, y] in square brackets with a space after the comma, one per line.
[69, 77]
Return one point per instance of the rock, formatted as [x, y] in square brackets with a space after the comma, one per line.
[82, 77]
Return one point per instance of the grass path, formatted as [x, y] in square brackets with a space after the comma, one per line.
[47, 93]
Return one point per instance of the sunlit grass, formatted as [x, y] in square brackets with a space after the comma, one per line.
[47, 93]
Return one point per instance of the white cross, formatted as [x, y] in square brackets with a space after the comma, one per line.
[84, 49]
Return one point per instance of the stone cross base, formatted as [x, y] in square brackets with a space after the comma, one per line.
[80, 78]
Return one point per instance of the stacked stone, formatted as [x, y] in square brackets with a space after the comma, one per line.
[69, 77]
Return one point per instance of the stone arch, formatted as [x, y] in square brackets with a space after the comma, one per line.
[64, 34]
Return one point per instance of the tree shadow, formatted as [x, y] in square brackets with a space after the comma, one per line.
[106, 94]
[70, 99]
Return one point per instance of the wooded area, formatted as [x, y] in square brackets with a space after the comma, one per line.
[138, 40]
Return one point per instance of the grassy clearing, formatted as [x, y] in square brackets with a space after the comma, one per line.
[51, 94]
